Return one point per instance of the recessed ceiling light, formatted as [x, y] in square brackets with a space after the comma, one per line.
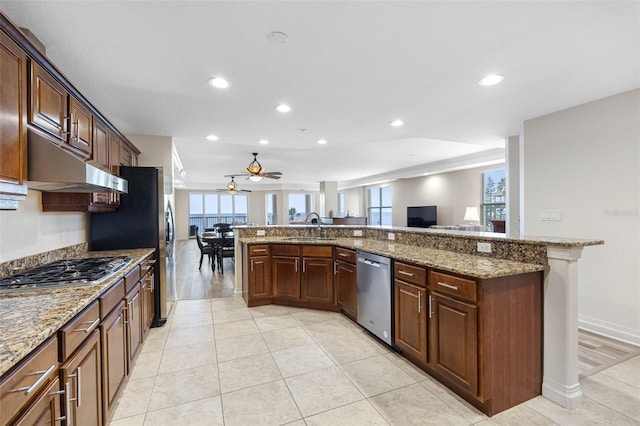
[322, 141]
[212, 137]
[397, 123]
[219, 82]
[263, 142]
[491, 79]
[283, 108]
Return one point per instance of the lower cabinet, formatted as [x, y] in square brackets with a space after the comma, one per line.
[453, 341]
[410, 332]
[285, 272]
[82, 373]
[256, 281]
[114, 356]
[317, 279]
[345, 281]
[45, 410]
[147, 293]
[133, 301]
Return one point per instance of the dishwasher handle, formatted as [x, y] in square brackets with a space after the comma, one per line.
[369, 262]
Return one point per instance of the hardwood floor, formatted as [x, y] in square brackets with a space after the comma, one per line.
[203, 283]
[596, 353]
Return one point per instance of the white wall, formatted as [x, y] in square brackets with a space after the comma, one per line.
[28, 231]
[451, 192]
[584, 161]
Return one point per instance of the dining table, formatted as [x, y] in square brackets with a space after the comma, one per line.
[215, 239]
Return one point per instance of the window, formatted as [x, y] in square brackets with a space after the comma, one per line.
[299, 206]
[494, 205]
[380, 206]
[205, 210]
[272, 209]
[341, 209]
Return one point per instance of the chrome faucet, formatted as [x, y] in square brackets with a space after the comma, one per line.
[318, 221]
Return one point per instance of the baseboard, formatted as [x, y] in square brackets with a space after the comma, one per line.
[612, 331]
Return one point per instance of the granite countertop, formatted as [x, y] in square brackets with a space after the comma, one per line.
[465, 264]
[30, 317]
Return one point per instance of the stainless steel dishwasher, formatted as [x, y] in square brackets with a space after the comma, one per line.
[374, 294]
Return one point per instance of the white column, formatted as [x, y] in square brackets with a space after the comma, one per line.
[560, 373]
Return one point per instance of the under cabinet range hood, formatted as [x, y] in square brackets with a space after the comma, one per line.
[53, 169]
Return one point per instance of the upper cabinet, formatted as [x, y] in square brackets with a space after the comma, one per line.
[13, 128]
[36, 97]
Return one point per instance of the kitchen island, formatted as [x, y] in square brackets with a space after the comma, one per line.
[557, 257]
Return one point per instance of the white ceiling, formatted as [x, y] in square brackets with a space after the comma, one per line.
[348, 69]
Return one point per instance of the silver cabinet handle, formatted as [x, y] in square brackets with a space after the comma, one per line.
[408, 292]
[335, 268]
[304, 265]
[44, 375]
[409, 274]
[251, 265]
[419, 301]
[429, 306]
[259, 250]
[343, 255]
[67, 404]
[89, 329]
[452, 287]
[296, 265]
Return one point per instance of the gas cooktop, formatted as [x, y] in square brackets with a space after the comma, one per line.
[67, 272]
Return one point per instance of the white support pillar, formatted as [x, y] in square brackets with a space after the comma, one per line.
[560, 371]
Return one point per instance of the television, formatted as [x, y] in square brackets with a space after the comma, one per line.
[422, 216]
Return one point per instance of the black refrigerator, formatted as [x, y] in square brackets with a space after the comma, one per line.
[141, 221]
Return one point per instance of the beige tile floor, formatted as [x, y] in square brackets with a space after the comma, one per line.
[218, 362]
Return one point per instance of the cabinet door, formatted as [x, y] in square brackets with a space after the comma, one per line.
[48, 108]
[148, 303]
[80, 132]
[114, 356]
[453, 341]
[259, 277]
[347, 292]
[45, 410]
[134, 322]
[285, 277]
[100, 151]
[13, 113]
[114, 153]
[317, 280]
[411, 320]
[125, 155]
[83, 373]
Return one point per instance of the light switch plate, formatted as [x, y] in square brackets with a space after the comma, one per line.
[391, 236]
[260, 232]
[484, 247]
[551, 215]
[357, 232]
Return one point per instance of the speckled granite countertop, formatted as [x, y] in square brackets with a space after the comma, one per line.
[465, 264]
[28, 318]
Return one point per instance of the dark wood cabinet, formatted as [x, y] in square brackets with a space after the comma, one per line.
[147, 292]
[114, 153]
[411, 321]
[317, 280]
[285, 277]
[79, 202]
[82, 373]
[453, 341]
[80, 138]
[345, 282]
[13, 126]
[48, 109]
[256, 274]
[100, 151]
[133, 301]
[45, 410]
[114, 356]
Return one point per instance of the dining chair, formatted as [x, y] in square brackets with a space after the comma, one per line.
[225, 249]
[208, 250]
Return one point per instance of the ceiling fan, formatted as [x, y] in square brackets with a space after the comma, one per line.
[232, 187]
[256, 172]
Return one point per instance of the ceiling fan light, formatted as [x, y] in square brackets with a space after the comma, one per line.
[255, 178]
[232, 191]
[254, 167]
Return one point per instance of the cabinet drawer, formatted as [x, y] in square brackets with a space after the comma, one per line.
[132, 278]
[79, 328]
[317, 251]
[285, 250]
[410, 273]
[147, 265]
[28, 378]
[259, 250]
[345, 255]
[452, 285]
[110, 298]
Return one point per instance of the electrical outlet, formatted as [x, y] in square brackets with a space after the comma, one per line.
[391, 236]
[260, 232]
[484, 247]
[357, 232]
[548, 215]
